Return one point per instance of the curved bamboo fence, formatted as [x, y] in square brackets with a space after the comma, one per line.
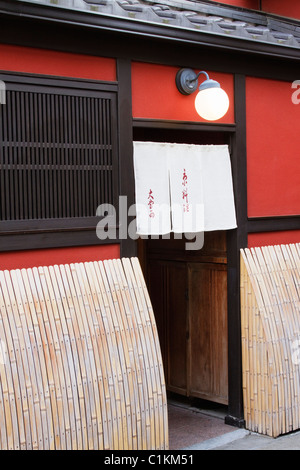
[270, 323]
[80, 362]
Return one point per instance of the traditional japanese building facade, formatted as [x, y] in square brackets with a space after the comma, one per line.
[84, 79]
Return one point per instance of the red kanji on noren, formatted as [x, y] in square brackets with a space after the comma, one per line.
[151, 203]
[185, 191]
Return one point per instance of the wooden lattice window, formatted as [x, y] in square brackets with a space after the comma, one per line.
[58, 152]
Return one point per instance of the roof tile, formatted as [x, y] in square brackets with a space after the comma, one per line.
[198, 15]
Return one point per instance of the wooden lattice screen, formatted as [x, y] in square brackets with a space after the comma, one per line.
[80, 362]
[58, 152]
[270, 322]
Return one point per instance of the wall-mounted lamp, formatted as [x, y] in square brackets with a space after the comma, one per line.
[211, 102]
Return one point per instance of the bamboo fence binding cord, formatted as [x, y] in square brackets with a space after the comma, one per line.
[270, 325]
[80, 364]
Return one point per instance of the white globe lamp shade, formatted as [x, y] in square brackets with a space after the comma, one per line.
[212, 103]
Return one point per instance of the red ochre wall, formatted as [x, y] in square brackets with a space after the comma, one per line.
[273, 142]
[273, 238]
[288, 8]
[33, 258]
[155, 95]
[38, 61]
[251, 4]
[273, 163]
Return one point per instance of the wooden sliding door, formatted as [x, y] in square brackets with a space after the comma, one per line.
[208, 344]
[168, 282]
[189, 297]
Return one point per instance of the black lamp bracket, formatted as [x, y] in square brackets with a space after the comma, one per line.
[187, 80]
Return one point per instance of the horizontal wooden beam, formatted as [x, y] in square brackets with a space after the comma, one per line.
[182, 125]
[59, 239]
[273, 224]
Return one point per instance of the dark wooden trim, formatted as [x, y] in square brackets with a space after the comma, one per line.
[239, 157]
[56, 81]
[236, 422]
[182, 125]
[273, 224]
[35, 241]
[126, 171]
[237, 239]
[50, 225]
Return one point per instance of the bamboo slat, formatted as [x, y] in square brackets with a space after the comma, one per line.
[270, 325]
[83, 368]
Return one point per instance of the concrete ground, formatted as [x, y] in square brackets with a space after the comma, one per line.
[242, 439]
[195, 428]
[189, 425]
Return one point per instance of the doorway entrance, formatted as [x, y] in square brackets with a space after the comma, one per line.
[188, 291]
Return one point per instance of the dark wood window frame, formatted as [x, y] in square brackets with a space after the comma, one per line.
[25, 233]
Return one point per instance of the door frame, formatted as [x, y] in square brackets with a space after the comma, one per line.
[236, 239]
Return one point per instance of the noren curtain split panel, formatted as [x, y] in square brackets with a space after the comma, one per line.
[183, 188]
